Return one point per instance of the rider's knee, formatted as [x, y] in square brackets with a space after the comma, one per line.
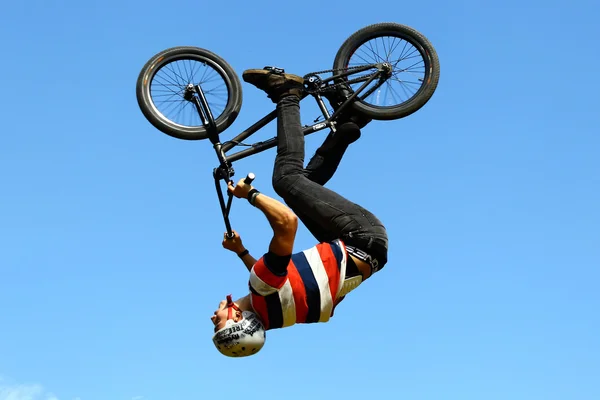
[283, 184]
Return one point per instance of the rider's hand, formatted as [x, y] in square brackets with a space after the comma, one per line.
[240, 190]
[234, 244]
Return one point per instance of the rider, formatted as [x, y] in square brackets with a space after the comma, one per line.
[303, 287]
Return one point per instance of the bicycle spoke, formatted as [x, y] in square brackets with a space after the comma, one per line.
[196, 68]
[174, 106]
[206, 71]
[376, 57]
[187, 78]
[170, 83]
[179, 77]
[366, 61]
[405, 59]
[167, 79]
[399, 43]
[401, 57]
[393, 92]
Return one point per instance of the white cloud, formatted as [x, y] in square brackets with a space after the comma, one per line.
[10, 390]
[24, 392]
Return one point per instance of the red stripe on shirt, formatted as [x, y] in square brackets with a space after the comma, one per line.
[331, 267]
[261, 270]
[259, 304]
[299, 293]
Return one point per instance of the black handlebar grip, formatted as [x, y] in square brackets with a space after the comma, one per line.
[249, 178]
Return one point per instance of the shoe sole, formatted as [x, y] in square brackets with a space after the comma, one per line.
[287, 77]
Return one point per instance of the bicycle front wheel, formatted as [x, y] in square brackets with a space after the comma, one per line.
[415, 69]
[162, 84]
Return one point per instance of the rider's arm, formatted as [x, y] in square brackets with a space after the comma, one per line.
[236, 245]
[249, 261]
[283, 222]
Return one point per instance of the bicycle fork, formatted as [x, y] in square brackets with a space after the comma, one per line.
[225, 170]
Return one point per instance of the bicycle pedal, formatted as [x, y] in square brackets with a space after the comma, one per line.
[275, 70]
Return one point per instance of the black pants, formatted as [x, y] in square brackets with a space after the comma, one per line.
[326, 214]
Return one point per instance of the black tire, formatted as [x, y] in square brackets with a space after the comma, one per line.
[431, 70]
[174, 86]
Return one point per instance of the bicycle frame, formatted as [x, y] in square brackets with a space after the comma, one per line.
[315, 86]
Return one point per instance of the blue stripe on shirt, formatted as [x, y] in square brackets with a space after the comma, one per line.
[337, 252]
[274, 310]
[313, 295]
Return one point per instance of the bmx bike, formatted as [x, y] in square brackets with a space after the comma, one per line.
[383, 71]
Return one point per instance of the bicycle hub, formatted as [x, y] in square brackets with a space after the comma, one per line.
[387, 69]
[189, 92]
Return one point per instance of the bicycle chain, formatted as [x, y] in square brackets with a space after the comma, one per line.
[333, 86]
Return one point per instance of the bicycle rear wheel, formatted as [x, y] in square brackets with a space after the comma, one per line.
[415, 69]
[162, 83]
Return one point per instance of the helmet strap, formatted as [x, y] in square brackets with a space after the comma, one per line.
[231, 306]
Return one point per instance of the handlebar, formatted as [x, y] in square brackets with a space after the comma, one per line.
[248, 180]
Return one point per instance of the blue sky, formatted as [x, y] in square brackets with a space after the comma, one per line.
[111, 262]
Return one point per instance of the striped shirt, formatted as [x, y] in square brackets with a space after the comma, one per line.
[307, 292]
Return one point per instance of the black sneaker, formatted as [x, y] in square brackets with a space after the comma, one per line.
[346, 134]
[275, 82]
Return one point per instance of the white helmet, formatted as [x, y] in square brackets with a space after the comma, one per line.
[240, 339]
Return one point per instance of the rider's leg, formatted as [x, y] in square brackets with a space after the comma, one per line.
[327, 214]
[336, 99]
[328, 156]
